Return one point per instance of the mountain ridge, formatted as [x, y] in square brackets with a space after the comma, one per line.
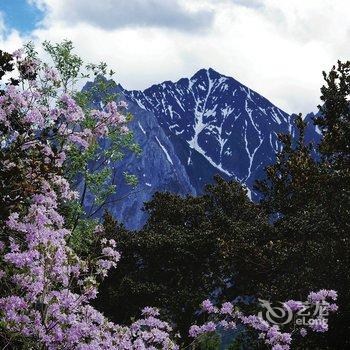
[209, 82]
[194, 128]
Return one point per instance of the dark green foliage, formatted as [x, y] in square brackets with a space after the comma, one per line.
[171, 264]
[284, 189]
[334, 121]
[210, 341]
[6, 64]
[312, 199]
[178, 259]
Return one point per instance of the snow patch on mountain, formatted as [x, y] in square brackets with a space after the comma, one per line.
[194, 128]
[233, 127]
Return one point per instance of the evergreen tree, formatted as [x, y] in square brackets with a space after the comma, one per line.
[334, 119]
[177, 260]
[312, 202]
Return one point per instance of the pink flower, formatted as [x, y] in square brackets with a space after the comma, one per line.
[123, 104]
[17, 54]
[78, 140]
[226, 308]
[208, 306]
[150, 311]
[293, 305]
[303, 332]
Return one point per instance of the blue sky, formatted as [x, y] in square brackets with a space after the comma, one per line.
[278, 48]
[20, 15]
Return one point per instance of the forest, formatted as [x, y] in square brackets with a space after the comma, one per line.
[199, 272]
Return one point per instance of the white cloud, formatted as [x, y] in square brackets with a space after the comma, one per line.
[277, 47]
[10, 40]
[249, 3]
[114, 14]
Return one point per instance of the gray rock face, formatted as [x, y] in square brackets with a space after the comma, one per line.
[158, 168]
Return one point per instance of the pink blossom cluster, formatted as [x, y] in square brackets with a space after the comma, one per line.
[85, 328]
[45, 270]
[62, 112]
[50, 287]
[228, 317]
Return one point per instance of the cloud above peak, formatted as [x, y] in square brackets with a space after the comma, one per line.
[249, 3]
[276, 47]
[116, 14]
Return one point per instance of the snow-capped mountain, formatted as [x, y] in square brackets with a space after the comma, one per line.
[194, 128]
[233, 127]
